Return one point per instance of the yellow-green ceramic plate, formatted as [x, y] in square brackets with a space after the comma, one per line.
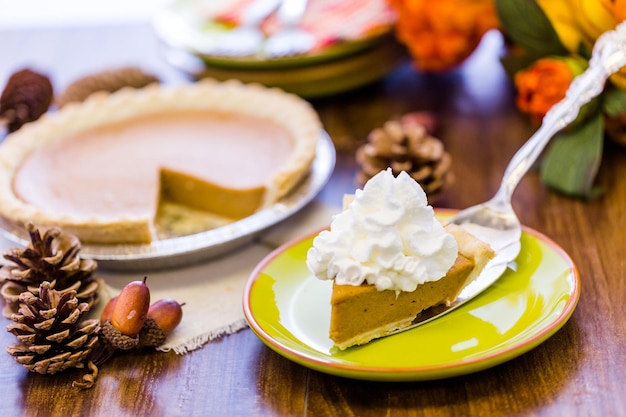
[289, 310]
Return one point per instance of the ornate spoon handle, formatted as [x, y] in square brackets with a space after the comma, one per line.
[608, 56]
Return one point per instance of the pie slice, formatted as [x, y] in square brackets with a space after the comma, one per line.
[104, 169]
[362, 313]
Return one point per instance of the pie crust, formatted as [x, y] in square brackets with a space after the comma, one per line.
[249, 102]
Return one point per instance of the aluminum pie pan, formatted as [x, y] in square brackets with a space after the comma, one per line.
[197, 247]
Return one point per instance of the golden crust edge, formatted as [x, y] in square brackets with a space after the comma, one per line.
[288, 110]
[377, 333]
[472, 248]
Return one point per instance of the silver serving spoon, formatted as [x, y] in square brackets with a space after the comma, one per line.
[495, 221]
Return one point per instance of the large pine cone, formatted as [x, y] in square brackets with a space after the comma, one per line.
[26, 96]
[51, 336]
[406, 145]
[53, 257]
[107, 81]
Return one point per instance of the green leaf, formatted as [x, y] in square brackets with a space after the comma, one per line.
[573, 159]
[584, 51]
[526, 24]
[614, 102]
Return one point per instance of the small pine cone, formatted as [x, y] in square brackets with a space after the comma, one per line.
[405, 146]
[615, 128]
[51, 335]
[53, 257]
[25, 98]
[108, 81]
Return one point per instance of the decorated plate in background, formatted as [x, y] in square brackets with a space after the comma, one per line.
[340, 27]
[289, 310]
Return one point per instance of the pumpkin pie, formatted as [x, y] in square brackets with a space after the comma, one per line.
[362, 313]
[104, 169]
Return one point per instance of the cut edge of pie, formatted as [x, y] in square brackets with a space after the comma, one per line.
[360, 314]
[287, 110]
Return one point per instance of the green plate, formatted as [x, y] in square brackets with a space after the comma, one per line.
[289, 310]
[179, 26]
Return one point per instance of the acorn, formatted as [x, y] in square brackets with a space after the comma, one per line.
[108, 310]
[166, 313]
[163, 317]
[124, 316]
[131, 308]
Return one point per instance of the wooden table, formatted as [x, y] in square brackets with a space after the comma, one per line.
[580, 371]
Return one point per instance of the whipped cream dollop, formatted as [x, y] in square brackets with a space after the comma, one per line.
[387, 237]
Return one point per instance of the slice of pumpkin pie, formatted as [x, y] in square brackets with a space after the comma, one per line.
[390, 259]
[101, 169]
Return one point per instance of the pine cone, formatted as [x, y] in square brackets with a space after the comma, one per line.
[406, 146]
[53, 257]
[25, 98]
[107, 81]
[51, 335]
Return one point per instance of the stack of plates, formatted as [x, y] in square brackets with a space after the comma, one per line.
[339, 67]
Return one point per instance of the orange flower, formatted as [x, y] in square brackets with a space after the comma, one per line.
[617, 8]
[441, 34]
[544, 84]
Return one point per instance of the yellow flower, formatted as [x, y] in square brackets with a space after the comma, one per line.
[593, 17]
[596, 17]
[579, 22]
[564, 22]
[441, 34]
[618, 9]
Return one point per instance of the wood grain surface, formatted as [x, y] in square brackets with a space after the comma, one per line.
[580, 371]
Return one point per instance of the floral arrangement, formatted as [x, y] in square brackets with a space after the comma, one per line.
[549, 44]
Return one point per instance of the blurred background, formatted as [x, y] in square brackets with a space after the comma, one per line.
[47, 14]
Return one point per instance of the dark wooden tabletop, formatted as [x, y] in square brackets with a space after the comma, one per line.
[580, 371]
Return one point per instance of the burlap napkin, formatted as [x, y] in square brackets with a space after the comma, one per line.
[212, 291]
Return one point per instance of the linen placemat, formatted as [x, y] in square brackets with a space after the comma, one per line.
[212, 290]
